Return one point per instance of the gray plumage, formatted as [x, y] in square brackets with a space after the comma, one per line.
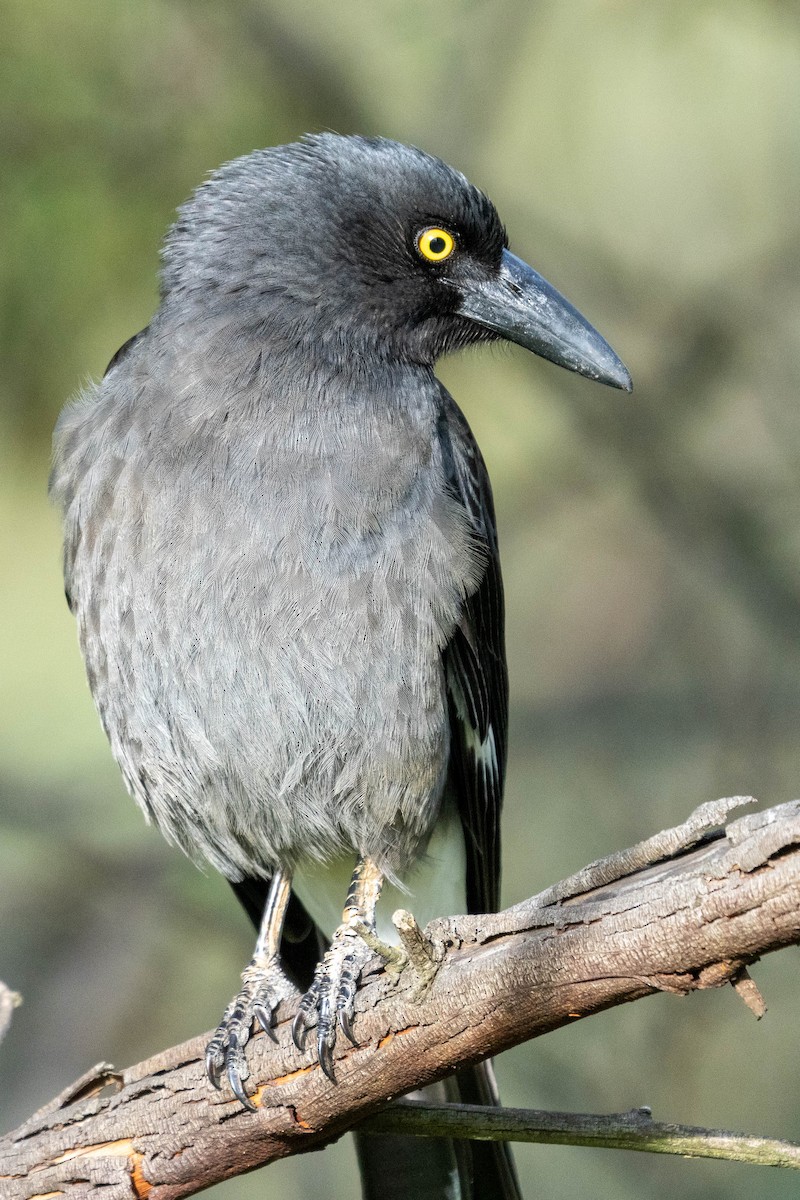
[261, 546]
[280, 549]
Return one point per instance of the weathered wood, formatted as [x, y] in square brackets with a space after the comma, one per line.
[690, 921]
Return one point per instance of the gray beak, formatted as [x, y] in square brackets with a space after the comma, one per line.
[523, 307]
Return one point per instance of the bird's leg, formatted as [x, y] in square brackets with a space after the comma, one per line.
[330, 1000]
[264, 985]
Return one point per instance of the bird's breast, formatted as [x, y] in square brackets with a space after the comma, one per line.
[263, 612]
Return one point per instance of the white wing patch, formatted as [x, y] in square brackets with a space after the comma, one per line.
[485, 751]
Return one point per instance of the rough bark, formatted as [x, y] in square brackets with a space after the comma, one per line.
[688, 909]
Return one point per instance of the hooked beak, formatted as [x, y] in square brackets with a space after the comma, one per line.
[523, 307]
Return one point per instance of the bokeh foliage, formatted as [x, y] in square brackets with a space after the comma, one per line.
[646, 159]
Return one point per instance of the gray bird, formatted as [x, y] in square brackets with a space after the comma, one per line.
[280, 548]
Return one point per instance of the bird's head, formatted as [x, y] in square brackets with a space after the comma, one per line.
[352, 247]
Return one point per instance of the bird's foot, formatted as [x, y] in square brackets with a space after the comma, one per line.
[329, 1004]
[264, 986]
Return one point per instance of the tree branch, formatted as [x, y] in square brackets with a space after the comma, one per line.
[685, 910]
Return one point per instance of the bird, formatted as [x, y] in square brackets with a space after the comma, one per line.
[281, 550]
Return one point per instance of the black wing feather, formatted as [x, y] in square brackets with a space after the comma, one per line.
[477, 678]
[125, 349]
[477, 683]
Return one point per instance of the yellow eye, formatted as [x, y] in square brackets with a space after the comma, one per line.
[435, 244]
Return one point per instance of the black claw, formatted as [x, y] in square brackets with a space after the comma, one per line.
[214, 1069]
[237, 1087]
[300, 1030]
[325, 1053]
[346, 1026]
[266, 1020]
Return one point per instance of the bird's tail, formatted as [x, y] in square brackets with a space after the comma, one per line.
[394, 1167]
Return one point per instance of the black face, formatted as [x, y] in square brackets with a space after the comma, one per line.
[348, 246]
[411, 257]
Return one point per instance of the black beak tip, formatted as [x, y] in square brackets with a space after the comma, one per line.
[597, 360]
[620, 377]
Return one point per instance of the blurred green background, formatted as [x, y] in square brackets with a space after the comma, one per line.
[646, 160]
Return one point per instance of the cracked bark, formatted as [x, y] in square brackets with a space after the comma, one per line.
[685, 910]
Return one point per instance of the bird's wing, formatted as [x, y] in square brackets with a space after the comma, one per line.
[125, 349]
[477, 679]
[477, 685]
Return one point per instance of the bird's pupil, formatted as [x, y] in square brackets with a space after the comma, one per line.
[436, 245]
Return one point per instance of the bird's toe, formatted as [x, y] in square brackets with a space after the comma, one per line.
[306, 1015]
[329, 1004]
[238, 1072]
[264, 986]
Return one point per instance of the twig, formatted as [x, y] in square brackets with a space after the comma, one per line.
[634, 1130]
